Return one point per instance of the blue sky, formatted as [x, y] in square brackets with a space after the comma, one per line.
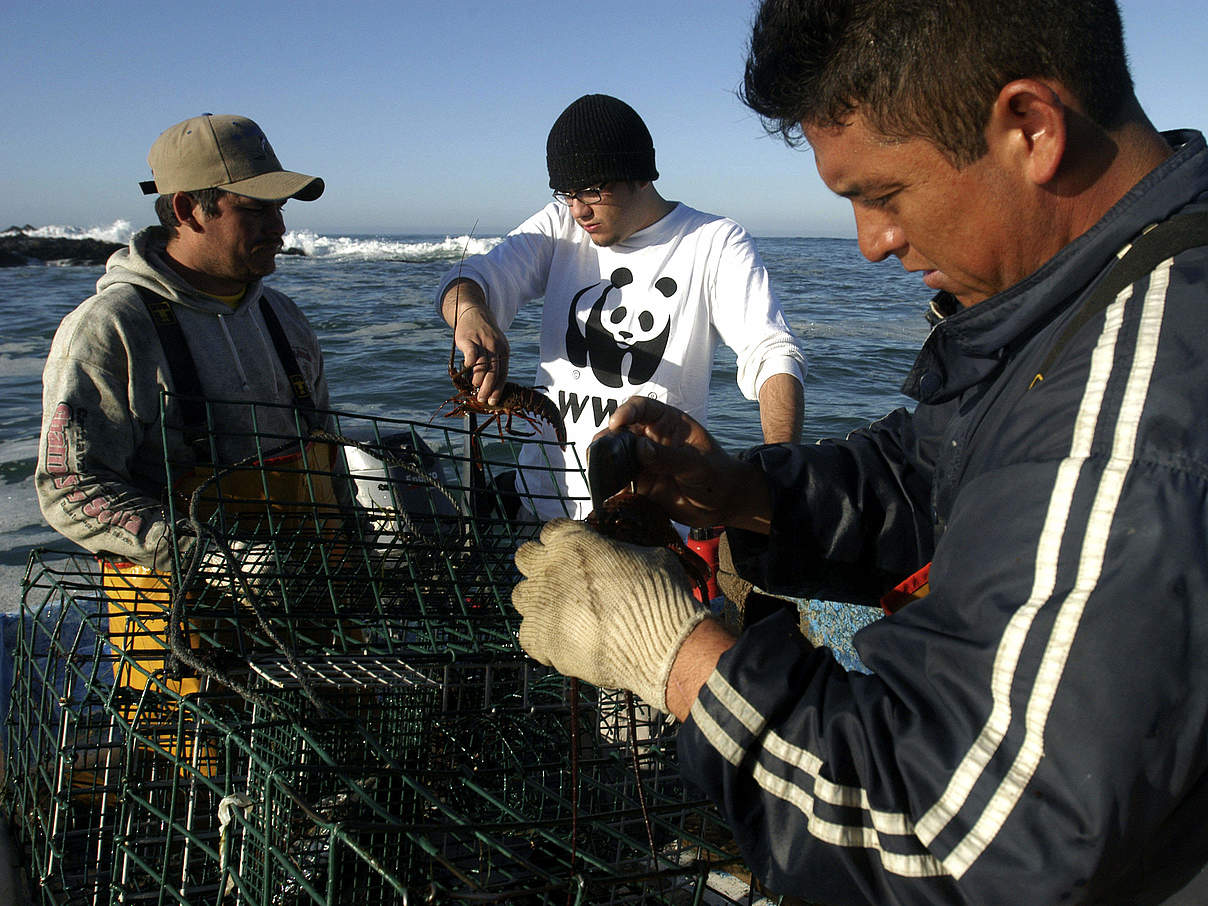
[427, 117]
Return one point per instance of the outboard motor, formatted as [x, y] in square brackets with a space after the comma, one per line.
[400, 486]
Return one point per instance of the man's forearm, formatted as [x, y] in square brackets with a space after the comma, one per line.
[462, 294]
[106, 516]
[696, 660]
[750, 502]
[781, 409]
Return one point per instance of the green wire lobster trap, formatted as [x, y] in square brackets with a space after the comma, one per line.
[325, 702]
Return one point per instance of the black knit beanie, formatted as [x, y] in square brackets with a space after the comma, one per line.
[598, 139]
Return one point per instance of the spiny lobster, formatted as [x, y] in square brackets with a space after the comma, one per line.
[527, 403]
[515, 400]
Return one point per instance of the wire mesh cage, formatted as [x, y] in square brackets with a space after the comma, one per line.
[63, 757]
[325, 702]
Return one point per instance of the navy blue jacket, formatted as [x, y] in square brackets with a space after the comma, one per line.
[1036, 729]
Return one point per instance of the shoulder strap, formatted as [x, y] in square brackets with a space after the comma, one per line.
[182, 367]
[302, 395]
[1151, 248]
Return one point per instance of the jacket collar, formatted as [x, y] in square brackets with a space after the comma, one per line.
[966, 346]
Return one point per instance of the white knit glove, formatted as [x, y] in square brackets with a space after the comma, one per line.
[249, 562]
[610, 613]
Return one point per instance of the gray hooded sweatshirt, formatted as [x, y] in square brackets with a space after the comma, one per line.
[106, 435]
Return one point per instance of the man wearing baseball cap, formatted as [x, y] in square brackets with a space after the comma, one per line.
[638, 290]
[181, 310]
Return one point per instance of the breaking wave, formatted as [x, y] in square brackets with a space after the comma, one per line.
[316, 245]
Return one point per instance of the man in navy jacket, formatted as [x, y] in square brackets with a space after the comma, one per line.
[1035, 729]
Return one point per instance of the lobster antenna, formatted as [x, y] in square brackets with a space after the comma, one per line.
[465, 247]
[473, 455]
[460, 261]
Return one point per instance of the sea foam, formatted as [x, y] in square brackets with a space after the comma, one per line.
[118, 231]
[388, 248]
[316, 245]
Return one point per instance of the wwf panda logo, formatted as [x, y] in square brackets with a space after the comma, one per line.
[618, 328]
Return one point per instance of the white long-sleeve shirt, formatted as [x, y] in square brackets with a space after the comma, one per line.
[643, 316]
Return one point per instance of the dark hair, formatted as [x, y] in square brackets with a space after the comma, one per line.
[206, 198]
[929, 69]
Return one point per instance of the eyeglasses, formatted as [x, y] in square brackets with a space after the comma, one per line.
[583, 196]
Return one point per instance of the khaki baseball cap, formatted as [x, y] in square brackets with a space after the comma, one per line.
[223, 152]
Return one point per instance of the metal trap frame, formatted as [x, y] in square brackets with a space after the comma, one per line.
[353, 719]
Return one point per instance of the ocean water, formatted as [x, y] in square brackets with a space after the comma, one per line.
[370, 301]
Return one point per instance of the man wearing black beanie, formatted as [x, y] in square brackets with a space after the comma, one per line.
[638, 290]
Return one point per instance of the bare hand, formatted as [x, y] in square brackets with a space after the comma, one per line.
[687, 472]
[484, 347]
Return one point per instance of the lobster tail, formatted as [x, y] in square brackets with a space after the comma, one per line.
[544, 409]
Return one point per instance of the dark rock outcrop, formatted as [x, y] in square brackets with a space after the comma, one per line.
[17, 249]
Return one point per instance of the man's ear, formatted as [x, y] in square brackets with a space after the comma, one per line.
[1028, 124]
[186, 211]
